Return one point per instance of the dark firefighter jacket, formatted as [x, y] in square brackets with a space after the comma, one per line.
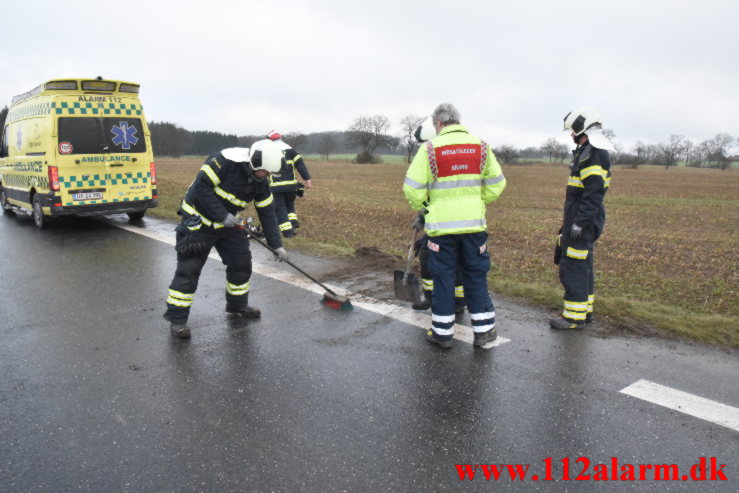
[224, 186]
[590, 176]
[287, 181]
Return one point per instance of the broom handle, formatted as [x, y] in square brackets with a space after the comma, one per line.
[251, 235]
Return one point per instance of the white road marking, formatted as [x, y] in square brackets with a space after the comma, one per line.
[406, 315]
[698, 407]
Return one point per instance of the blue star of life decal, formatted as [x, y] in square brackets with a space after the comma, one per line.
[124, 136]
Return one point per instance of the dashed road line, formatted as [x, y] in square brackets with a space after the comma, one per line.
[402, 314]
[693, 405]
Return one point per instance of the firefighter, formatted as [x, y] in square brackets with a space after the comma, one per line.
[584, 216]
[424, 132]
[226, 183]
[286, 188]
[454, 176]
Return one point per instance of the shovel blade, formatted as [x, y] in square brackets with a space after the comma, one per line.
[410, 290]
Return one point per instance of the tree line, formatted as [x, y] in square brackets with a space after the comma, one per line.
[370, 135]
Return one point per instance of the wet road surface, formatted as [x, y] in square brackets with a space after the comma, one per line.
[96, 396]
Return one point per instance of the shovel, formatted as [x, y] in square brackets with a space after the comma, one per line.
[407, 287]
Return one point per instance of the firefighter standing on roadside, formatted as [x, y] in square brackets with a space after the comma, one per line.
[584, 216]
[285, 188]
[454, 176]
[423, 133]
[226, 183]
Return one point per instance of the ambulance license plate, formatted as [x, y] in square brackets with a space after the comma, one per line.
[87, 196]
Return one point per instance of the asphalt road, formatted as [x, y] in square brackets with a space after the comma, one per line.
[96, 396]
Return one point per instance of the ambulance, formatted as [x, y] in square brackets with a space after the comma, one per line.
[77, 147]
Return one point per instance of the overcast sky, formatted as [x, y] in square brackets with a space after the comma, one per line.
[513, 69]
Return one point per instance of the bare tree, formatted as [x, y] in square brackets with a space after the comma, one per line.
[562, 151]
[507, 153]
[327, 145]
[671, 151]
[408, 125]
[640, 149]
[551, 147]
[369, 132]
[688, 151]
[719, 146]
[294, 139]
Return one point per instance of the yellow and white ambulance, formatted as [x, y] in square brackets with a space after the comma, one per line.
[77, 146]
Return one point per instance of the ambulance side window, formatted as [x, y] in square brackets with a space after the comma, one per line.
[4, 145]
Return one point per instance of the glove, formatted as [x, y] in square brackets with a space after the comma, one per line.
[230, 221]
[575, 231]
[558, 250]
[419, 222]
[281, 254]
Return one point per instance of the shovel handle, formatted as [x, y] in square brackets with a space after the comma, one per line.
[410, 257]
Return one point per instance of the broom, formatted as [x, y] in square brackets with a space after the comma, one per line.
[330, 298]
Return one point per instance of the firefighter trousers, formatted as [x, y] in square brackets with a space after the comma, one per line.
[233, 247]
[287, 219]
[578, 278]
[468, 252]
[427, 278]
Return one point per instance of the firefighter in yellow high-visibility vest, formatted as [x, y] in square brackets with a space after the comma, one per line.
[454, 176]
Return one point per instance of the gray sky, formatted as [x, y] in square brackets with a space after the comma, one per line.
[514, 69]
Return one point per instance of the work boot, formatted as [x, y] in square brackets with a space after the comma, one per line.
[288, 234]
[179, 331]
[561, 323]
[445, 342]
[249, 312]
[483, 338]
[589, 318]
[424, 304]
[295, 223]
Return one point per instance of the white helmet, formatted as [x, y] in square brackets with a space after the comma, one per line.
[581, 119]
[425, 130]
[267, 155]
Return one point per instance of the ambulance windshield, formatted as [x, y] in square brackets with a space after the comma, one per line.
[95, 135]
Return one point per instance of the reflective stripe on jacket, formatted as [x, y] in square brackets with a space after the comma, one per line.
[457, 175]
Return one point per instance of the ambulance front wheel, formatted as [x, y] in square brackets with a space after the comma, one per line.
[38, 214]
[136, 216]
[4, 204]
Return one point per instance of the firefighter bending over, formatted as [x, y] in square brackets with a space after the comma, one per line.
[226, 183]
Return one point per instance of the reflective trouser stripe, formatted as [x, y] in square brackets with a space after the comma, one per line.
[428, 284]
[238, 289]
[178, 298]
[578, 254]
[591, 300]
[575, 310]
[482, 322]
[293, 216]
[443, 325]
[286, 226]
[574, 315]
[459, 291]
